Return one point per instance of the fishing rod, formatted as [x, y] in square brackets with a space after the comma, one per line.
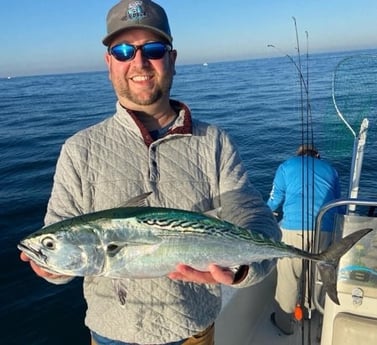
[308, 138]
[308, 222]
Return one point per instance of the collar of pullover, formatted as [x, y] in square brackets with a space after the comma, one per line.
[181, 125]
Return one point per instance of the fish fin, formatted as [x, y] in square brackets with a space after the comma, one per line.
[134, 249]
[329, 280]
[137, 201]
[214, 213]
[114, 248]
[329, 260]
[120, 288]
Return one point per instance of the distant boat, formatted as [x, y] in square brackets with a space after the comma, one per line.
[205, 64]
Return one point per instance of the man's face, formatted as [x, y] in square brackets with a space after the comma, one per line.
[141, 82]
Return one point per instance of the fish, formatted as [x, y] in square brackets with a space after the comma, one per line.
[148, 242]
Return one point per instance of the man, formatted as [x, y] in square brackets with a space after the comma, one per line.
[153, 144]
[302, 185]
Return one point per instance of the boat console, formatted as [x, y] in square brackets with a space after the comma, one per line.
[354, 321]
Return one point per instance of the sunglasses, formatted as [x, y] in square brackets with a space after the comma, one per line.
[151, 50]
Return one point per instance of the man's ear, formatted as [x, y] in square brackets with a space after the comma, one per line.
[173, 58]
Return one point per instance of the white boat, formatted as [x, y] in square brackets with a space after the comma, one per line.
[245, 317]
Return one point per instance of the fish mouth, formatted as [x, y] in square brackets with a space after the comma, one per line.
[34, 254]
[37, 256]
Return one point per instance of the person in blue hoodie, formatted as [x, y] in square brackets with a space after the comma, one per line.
[302, 185]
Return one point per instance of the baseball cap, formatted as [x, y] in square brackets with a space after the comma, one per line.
[143, 14]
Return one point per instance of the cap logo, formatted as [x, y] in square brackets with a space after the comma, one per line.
[136, 11]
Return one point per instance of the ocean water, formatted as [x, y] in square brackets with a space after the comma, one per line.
[258, 101]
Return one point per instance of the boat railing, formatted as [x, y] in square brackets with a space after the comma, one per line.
[358, 221]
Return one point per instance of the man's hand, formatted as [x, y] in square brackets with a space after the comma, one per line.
[214, 275]
[39, 271]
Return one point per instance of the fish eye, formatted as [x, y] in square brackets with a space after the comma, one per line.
[48, 242]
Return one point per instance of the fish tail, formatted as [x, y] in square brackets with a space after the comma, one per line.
[329, 260]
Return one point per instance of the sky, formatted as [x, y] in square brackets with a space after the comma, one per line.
[50, 36]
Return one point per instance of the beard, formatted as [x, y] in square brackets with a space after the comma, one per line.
[143, 97]
[137, 98]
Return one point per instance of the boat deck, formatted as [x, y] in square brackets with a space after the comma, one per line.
[245, 319]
